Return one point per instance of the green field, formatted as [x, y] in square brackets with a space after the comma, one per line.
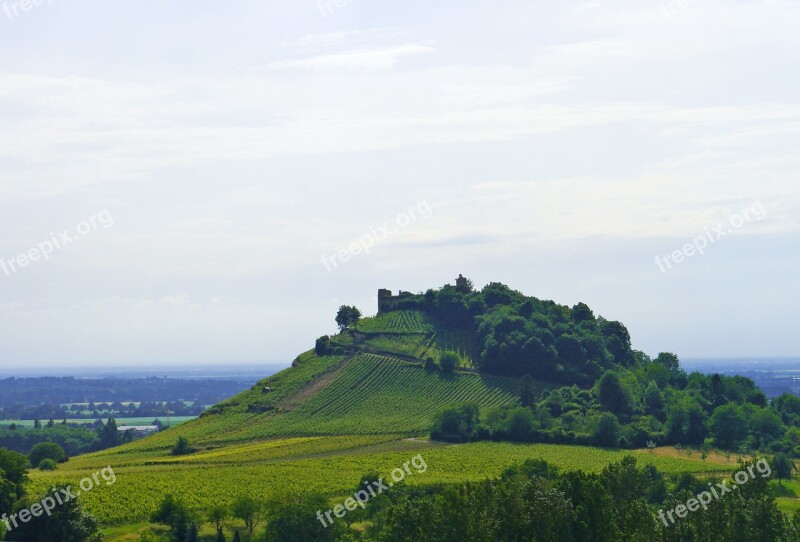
[331, 465]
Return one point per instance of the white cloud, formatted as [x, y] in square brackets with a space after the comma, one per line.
[375, 59]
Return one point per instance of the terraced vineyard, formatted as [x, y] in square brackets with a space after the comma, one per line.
[376, 395]
[397, 322]
[363, 395]
[458, 341]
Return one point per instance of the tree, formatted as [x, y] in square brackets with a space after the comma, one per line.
[449, 361]
[783, 466]
[67, 522]
[613, 395]
[248, 510]
[290, 521]
[192, 532]
[346, 317]
[686, 421]
[728, 425]
[217, 516]
[236, 537]
[13, 478]
[37, 424]
[182, 447]
[606, 430]
[109, 435]
[458, 424]
[581, 313]
[48, 464]
[46, 450]
[527, 394]
[654, 400]
[174, 513]
[520, 424]
[321, 346]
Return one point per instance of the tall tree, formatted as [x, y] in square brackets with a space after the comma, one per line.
[248, 510]
[67, 522]
[347, 316]
[526, 394]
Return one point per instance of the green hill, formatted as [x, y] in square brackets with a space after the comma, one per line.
[366, 399]
[379, 386]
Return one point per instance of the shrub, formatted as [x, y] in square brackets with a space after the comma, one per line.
[430, 364]
[46, 450]
[182, 447]
[48, 464]
[449, 361]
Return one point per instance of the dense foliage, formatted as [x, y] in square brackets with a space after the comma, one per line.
[518, 335]
[611, 395]
[66, 522]
[535, 502]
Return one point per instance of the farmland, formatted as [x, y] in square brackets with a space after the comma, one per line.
[330, 465]
[329, 419]
[173, 421]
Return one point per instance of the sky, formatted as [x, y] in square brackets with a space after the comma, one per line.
[202, 182]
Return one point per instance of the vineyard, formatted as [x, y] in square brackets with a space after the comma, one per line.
[329, 465]
[397, 322]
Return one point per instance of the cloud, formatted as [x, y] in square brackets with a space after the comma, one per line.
[370, 60]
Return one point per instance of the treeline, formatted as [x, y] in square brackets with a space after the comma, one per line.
[536, 502]
[66, 522]
[93, 411]
[44, 397]
[531, 502]
[652, 403]
[520, 335]
[74, 440]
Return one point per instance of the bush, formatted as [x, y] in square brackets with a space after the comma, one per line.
[606, 430]
[459, 424]
[46, 450]
[449, 361]
[182, 447]
[322, 345]
[430, 364]
[48, 464]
